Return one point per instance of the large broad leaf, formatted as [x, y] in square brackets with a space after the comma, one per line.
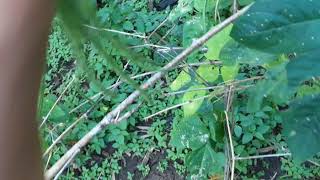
[201, 5]
[205, 162]
[187, 77]
[209, 73]
[229, 72]
[183, 79]
[190, 133]
[217, 42]
[302, 68]
[280, 26]
[245, 2]
[274, 87]
[192, 29]
[191, 108]
[302, 127]
[233, 53]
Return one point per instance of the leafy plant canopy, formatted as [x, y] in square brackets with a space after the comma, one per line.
[251, 89]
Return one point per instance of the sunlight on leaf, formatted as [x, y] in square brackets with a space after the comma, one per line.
[192, 108]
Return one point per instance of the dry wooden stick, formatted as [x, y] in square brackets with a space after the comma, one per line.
[262, 156]
[109, 118]
[228, 105]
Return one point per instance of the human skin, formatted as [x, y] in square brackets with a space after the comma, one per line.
[24, 27]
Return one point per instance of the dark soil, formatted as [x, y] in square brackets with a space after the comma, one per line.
[271, 170]
[131, 163]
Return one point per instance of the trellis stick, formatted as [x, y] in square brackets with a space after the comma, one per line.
[229, 95]
[262, 156]
[109, 118]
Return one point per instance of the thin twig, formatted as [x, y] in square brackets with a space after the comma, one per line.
[176, 106]
[147, 156]
[86, 101]
[66, 164]
[216, 11]
[314, 163]
[132, 98]
[57, 101]
[234, 6]
[156, 29]
[262, 156]
[115, 31]
[168, 32]
[223, 85]
[58, 139]
[48, 160]
[274, 176]
[157, 46]
[215, 63]
[231, 146]
[195, 89]
[124, 69]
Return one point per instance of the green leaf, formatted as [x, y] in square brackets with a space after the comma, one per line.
[205, 162]
[259, 135]
[209, 73]
[306, 90]
[183, 7]
[234, 53]
[237, 131]
[247, 137]
[275, 88]
[302, 127]
[191, 108]
[128, 26]
[209, 5]
[123, 125]
[263, 129]
[212, 129]
[192, 29]
[217, 42]
[229, 72]
[190, 133]
[216, 126]
[246, 120]
[182, 79]
[278, 27]
[57, 113]
[245, 2]
[302, 68]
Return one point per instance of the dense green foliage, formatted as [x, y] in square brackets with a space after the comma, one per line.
[286, 27]
[269, 41]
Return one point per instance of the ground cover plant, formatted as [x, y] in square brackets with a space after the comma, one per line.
[238, 102]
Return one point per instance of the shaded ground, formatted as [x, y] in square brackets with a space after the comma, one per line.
[270, 166]
[131, 164]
